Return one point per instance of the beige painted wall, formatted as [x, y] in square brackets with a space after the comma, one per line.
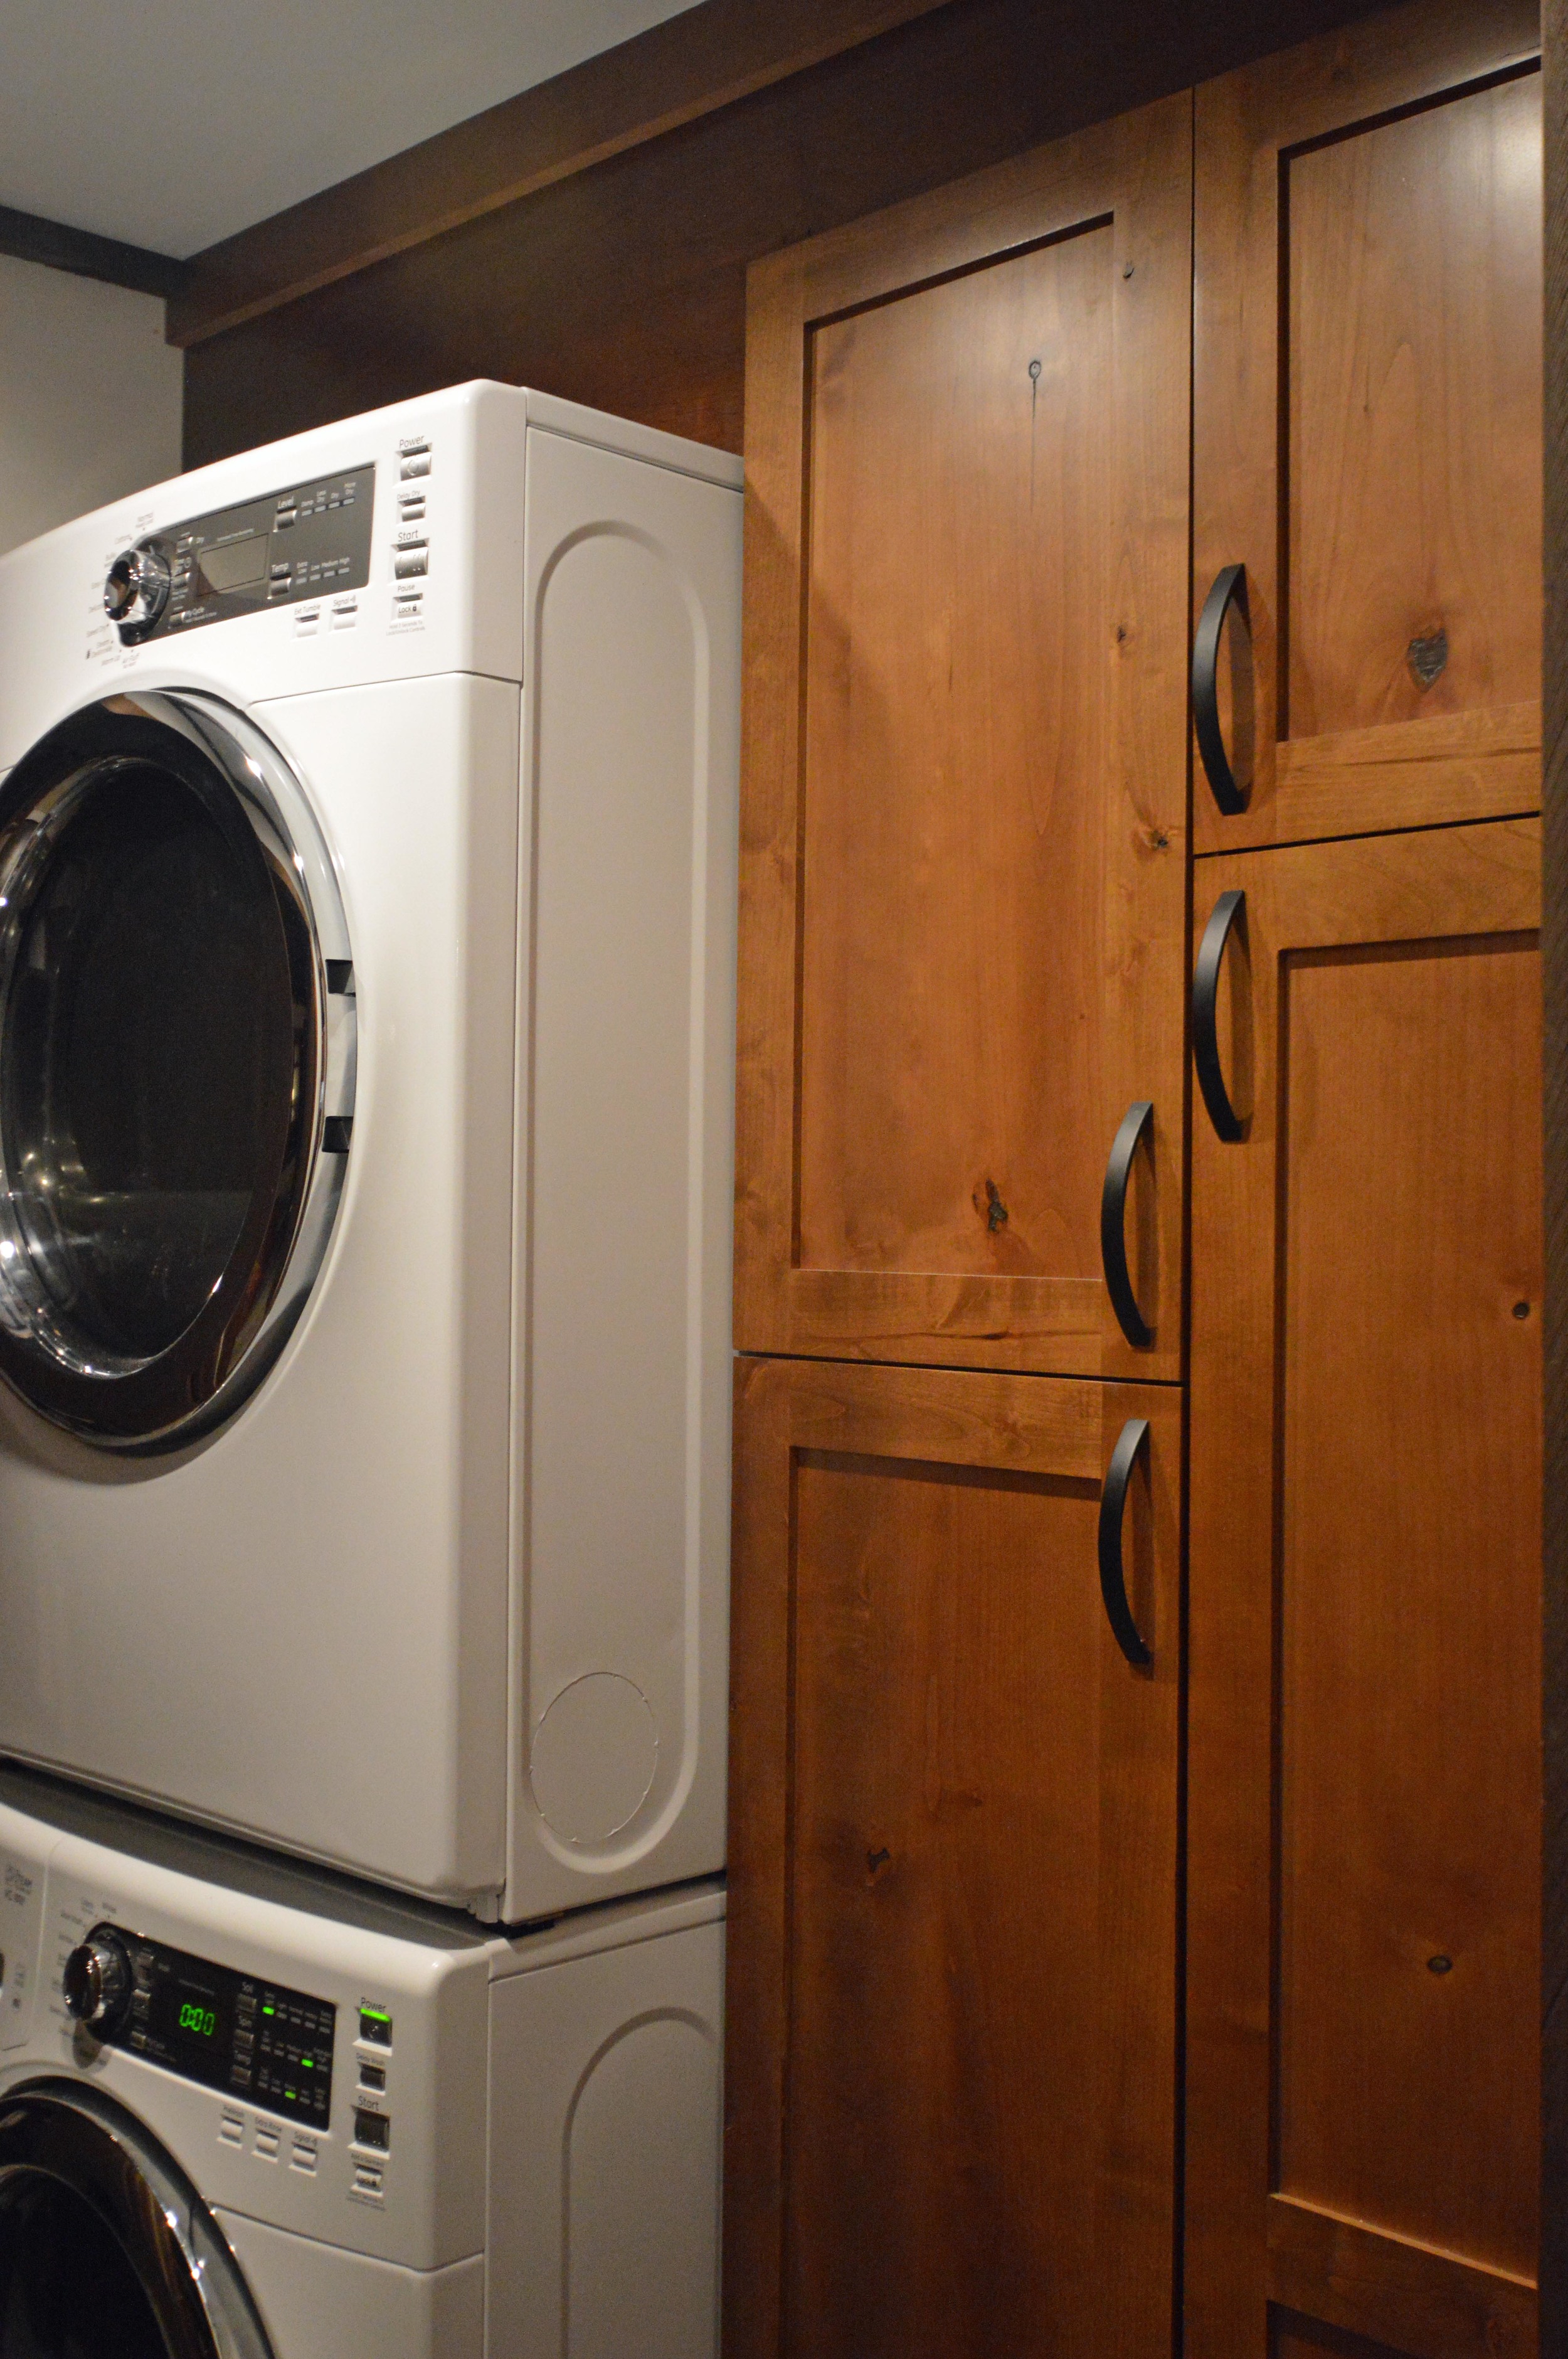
[90, 397]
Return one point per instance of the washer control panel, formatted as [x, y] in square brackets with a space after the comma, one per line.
[310, 539]
[251, 2038]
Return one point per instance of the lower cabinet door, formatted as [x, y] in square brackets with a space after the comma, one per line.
[951, 2070]
[1364, 1796]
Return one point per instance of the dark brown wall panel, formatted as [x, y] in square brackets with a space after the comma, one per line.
[625, 285]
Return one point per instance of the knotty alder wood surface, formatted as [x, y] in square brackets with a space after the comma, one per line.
[1364, 1719]
[951, 2066]
[1368, 419]
[964, 835]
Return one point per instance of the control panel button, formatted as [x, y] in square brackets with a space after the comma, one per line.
[372, 2129]
[409, 562]
[375, 2026]
[413, 463]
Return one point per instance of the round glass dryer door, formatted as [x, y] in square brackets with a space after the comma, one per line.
[177, 1066]
[104, 2245]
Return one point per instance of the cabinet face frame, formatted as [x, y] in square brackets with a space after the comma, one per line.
[1248, 2246]
[1009, 1425]
[1471, 763]
[1134, 177]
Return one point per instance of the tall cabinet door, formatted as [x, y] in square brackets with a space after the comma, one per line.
[1368, 430]
[964, 848]
[1364, 1794]
[951, 2072]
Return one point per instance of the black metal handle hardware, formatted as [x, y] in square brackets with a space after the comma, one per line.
[1229, 590]
[1133, 1437]
[1113, 1224]
[1205, 1022]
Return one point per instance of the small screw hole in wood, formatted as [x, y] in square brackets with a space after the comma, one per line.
[1440, 1964]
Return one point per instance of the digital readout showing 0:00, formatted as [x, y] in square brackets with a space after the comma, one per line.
[199, 2019]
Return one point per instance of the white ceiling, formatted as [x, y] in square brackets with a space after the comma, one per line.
[173, 123]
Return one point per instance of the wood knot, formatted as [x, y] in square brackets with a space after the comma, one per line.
[993, 1211]
[1426, 656]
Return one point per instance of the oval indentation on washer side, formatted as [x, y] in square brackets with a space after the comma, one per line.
[594, 1757]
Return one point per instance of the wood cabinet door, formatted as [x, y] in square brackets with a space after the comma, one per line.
[1368, 427]
[1364, 1735]
[963, 823]
[951, 2068]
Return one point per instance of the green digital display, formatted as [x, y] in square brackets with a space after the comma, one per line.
[198, 2018]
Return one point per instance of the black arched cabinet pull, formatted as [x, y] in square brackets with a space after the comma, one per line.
[1139, 1118]
[1206, 1016]
[1229, 590]
[1133, 1437]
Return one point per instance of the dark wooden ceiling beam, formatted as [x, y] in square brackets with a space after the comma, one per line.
[691, 65]
[29, 237]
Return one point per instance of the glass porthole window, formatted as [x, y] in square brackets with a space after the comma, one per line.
[175, 1066]
[105, 2247]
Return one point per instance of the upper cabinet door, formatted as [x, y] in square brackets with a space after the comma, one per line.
[1368, 430]
[964, 826]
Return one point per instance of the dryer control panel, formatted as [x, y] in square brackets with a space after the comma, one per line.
[236, 2032]
[309, 539]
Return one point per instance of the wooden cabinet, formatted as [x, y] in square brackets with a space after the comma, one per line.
[1047, 2036]
[1367, 424]
[964, 848]
[1363, 1731]
[1364, 1715]
[951, 2078]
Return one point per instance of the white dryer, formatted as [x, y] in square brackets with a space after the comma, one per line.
[367, 916]
[250, 2111]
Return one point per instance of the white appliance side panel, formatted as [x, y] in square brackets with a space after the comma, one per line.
[621, 1510]
[298, 1630]
[317, 2302]
[604, 2154]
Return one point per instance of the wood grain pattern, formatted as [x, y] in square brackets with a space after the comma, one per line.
[955, 705]
[1414, 418]
[1367, 374]
[1399, 2293]
[1429, 772]
[964, 831]
[1554, 953]
[1464, 886]
[1409, 1731]
[950, 2072]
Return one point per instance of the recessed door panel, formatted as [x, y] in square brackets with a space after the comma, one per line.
[1410, 1628]
[1414, 420]
[959, 659]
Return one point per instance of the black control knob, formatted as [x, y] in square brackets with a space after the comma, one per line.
[97, 1980]
[137, 590]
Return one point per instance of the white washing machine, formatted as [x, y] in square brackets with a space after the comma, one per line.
[367, 917]
[292, 2119]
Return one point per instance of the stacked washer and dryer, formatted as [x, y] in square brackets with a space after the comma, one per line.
[367, 914]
